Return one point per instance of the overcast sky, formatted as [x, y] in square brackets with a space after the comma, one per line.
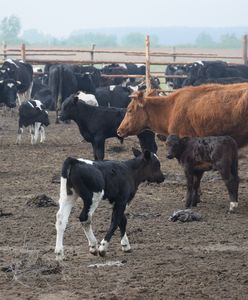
[60, 17]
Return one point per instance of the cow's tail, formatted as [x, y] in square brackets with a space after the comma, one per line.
[67, 165]
[65, 182]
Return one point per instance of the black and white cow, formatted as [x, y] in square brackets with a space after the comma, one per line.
[96, 124]
[64, 81]
[22, 73]
[32, 113]
[8, 92]
[93, 181]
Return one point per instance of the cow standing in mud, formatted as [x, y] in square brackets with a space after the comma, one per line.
[208, 110]
[93, 181]
[198, 155]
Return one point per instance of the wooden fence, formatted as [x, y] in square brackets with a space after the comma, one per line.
[93, 56]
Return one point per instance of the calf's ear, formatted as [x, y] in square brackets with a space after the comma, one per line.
[75, 100]
[136, 152]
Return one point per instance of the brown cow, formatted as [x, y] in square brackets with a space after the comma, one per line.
[199, 154]
[206, 110]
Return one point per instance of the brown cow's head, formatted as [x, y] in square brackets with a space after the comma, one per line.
[135, 119]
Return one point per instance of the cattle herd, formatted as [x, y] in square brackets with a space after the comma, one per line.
[203, 123]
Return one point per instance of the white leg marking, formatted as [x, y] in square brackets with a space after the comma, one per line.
[233, 205]
[103, 247]
[125, 246]
[42, 134]
[97, 197]
[32, 134]
[65, 205]
[36, 131]
[19, 136]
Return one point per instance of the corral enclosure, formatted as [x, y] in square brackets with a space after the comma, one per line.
[197, 260]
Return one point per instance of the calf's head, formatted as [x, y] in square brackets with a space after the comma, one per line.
[175, 146]
[151, 171]
[69, 108]
[8, 92]
[135, 119]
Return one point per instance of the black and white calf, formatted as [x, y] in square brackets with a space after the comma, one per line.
[93, 181]
[32, 113]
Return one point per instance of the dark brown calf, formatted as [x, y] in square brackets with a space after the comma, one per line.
[197, 155]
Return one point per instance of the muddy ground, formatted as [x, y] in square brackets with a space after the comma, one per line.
[196, 260]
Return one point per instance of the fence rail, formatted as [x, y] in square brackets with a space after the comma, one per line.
[41, 56]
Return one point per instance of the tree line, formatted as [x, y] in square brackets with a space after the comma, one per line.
[10, 33]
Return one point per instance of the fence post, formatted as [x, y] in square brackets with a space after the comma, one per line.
[245, 49]
[174, 54]
[147, 51]
[92, 54]
[4, 51]
[23, 52]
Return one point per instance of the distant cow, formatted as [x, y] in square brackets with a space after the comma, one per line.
[113, 69]
[221, 80]
[197, 155]
[44, 95]
[93, 181]
[8, 92]
[96, 124]
[175, 83]
[65, 80]
[22, 73]
[32, 113]
[206, 110]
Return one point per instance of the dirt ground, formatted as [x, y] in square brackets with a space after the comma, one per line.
[194, 260]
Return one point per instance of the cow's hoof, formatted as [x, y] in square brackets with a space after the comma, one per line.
[102, 253]
[93, 250]
[59, 255]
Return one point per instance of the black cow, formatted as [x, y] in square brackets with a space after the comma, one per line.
[22, 73]
[197, 155]
[93, 181]
[222, 80]
[65, 80]
[32, 113]
[179, 70]
[97, 123]
[113, 69]
[8, 92]
[45, 97]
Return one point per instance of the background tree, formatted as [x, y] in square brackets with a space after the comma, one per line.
[10, 28]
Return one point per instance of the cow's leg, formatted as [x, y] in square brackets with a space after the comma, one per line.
[98, 149]
[36, 131]
[65, 205]
[32, 132]
[42, 134]
[117, 214]
[125, 246]
[196, 184]
[190, 184]
[231, 179]
[19, 134]
[90, 205]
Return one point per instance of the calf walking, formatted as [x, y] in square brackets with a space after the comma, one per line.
[197, 155]
[93, 181]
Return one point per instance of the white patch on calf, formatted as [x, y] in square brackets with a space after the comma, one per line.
[10, 85]
[111, 87]
[233, 205]
[89, 99]
[199, 62]
[125, 243]
[65, 205]
[87, 161]
[9, 60]
[103, 247]
[38, 104]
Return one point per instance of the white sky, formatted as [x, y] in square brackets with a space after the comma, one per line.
[60, 17]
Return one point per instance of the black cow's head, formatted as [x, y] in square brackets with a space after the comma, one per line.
[8, 92]
[151, 166]
[69, 108]
[175, 146]
[85, 83]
